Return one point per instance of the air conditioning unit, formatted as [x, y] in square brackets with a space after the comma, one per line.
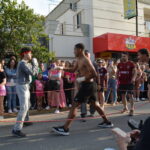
[73, 6]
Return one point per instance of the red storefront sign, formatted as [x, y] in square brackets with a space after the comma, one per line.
[119, 42]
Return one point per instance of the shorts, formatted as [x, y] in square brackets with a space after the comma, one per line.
[54, 85]
[2, 90]
[124, 88]
[87, 92]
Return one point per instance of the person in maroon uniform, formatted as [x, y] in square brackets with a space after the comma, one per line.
[102, 82]
[126, 76]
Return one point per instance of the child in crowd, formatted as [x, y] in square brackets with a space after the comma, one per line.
[39, 87]
[2, 89]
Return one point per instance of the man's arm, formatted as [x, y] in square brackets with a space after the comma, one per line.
[134, 74]
[30, 70]
[73, 69]
[91, 69]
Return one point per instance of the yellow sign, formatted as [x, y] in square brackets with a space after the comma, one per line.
[130, 9]
[130, 43]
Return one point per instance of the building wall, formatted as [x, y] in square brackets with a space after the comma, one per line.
[108, 16]
[70, 34]
[102, 16]
[63, 46]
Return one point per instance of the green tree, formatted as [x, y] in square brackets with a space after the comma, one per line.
[20, 26]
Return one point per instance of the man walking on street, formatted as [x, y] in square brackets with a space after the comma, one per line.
[87, 90]
[126, 75]
[24, 72]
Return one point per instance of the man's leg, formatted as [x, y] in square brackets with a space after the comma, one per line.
[106, 123]
[124, 101]
[99, 110]
[92, 110]
[83, 110]
[23, 94]
[72, 114]
[131, 99]
[64, 130]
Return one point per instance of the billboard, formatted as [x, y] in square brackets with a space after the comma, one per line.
[130, 9]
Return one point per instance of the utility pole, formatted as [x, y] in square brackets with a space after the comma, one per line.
[137, 18]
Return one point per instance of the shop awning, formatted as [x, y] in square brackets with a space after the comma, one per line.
[119, 42]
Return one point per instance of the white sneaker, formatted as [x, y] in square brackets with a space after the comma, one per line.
[143, 99]
[10, 111]
[137, 99]
[47, 107]
[57, 111]
[70, 105]
[15, 110]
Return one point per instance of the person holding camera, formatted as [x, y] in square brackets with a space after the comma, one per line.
[24, 72]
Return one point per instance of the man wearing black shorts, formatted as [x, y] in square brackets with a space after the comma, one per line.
[87, 90]
[126, 75]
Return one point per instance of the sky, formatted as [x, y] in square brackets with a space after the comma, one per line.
[42, 7]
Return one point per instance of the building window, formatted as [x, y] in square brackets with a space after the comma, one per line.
[77, 20]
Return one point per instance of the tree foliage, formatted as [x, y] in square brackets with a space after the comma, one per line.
[19, 26]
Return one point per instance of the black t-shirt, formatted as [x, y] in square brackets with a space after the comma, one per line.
[144, 142]
[2, 76]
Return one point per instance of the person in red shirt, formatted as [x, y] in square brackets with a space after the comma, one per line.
[126, 75]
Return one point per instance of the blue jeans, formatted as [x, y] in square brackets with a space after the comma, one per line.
[11, 96]
[112, 86]
[23, 93]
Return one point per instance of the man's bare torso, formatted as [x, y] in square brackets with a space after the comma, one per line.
[85, 68]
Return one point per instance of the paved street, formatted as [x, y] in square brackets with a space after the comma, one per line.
[84, 135]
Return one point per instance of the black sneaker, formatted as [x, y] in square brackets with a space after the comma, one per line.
[105, 125]
[61, 130]
[18, 133]
[25, 124]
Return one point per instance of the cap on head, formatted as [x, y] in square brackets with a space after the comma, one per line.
[25, 50]
[100, 61]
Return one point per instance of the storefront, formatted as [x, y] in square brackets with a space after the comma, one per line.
[111, 45]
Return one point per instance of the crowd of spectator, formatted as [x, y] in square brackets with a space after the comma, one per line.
[54, 87]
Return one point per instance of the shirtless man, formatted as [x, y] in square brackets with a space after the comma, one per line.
[87, 90]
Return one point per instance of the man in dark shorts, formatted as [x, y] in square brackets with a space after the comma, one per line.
[84, 105]
[87, 90]
[126, 75]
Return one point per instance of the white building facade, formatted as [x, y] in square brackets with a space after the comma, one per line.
[79, 21]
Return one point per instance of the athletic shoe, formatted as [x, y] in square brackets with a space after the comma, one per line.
[105, 125]
[143, 99]
[15, 110]
[70, 106]
[25, 124]
[18, 133]
[61, 130]
[131, 113]
[47, 107]
[10, 111]
[137, 100]
[57, 111]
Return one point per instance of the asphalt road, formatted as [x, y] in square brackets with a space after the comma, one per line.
[83, 135]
